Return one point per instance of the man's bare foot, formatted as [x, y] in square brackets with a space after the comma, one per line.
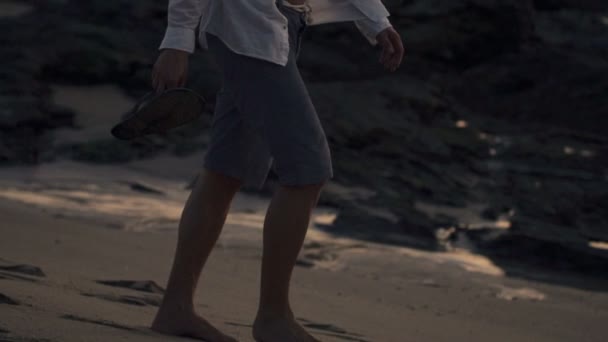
[280, 329]
[188, 324]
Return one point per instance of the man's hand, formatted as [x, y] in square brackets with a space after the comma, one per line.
[392, 48]
[170, 70]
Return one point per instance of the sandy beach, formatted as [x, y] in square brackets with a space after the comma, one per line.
[88, 224]
[85, 253]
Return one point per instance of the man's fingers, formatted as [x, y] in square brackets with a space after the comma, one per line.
[160, 87]
[168, 82]
[172, 83]
[390, 50]
[399, 50]
[169, 71]
[182, 80]
[382, 41]
[382, 55]
[387, 51]
[154, 80]
[184, 77]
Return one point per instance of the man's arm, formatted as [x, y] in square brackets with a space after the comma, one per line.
[370, 28]
[382, 32]
[171, 67]
[182, 20]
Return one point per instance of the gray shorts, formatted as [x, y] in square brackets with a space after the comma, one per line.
[264, 117]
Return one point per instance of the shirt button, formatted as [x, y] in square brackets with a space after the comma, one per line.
[284, 27]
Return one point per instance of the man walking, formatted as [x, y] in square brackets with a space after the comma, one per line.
[263, 119]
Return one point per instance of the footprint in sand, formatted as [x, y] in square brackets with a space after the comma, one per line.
[6, 275]
[239, 324]
[109, 324]
[7, 300]
[5, 336]
[23, 269]
[137, 285]
[130, 300]
[98, 322]
[332, 330]
[20, 272]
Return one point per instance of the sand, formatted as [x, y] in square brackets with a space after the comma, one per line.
[76, 225]
[85, 251]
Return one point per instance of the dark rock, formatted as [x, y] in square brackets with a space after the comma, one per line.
[111, 151]
[464, 33]
[587, 5]
[591, 217]
[145, 188]
[490, 214]
[304, 263]
[415, 229]
[20, 112]
[518, 248]
[523, 88]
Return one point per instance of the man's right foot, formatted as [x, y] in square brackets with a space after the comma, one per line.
[188, 325]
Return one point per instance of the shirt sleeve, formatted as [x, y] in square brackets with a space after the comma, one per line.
[370, 28]
[183, 18]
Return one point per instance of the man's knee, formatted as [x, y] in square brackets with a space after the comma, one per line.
[221, 179]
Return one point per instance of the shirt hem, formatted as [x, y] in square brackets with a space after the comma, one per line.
[245, 53]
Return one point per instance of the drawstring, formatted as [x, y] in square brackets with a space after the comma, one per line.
[304, 8]
[307, 11]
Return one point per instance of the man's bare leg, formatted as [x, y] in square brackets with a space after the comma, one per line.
[201, 223]
[285, 227]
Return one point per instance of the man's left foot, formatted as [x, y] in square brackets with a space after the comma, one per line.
[187, 324]
[280, 329]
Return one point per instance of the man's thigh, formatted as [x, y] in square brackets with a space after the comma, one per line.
[275, 102]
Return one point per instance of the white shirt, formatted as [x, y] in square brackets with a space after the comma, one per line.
[257, 28]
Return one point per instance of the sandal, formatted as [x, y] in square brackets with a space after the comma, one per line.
[160, 113]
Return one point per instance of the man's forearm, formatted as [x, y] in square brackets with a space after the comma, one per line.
[370, 28]
[182, 19]
[376, 18]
